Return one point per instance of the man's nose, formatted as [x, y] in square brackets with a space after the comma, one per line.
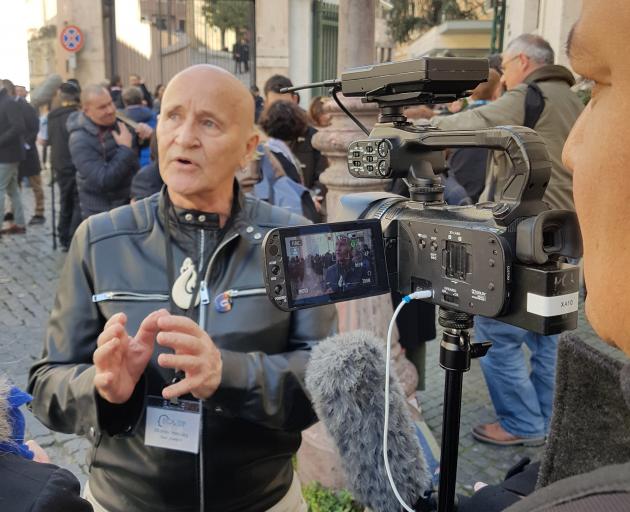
[186, 133]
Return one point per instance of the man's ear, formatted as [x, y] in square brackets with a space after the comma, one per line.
[252, 143]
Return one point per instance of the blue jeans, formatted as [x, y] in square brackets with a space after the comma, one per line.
[9, 185]
[522, 400]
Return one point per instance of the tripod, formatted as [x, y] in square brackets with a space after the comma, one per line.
[456, 351]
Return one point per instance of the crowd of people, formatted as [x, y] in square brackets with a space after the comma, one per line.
[193, 405]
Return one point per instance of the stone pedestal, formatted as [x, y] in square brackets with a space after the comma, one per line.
[317, 458]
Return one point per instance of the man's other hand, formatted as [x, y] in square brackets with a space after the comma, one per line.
[120, 359]
[144, 131]
[123, 136]
[195, 354]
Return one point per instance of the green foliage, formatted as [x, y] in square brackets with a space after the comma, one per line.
[407, 16]
[227, 14]
[320, 499]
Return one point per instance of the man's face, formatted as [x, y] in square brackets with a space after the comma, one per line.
[515, 67]
[205, 134]
[20, 91]
[343, 252]
[134, 80]
[598, 153]
[100, 109]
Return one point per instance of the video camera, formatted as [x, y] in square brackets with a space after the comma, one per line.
[503, 259]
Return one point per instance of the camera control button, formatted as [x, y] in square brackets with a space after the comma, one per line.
[277, 289]
[275, 270]
[383, 148]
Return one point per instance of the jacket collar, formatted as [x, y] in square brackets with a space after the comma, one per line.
[551, 72]
[185, 222]
[90, 126]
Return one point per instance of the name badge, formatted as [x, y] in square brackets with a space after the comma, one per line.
[173, 425]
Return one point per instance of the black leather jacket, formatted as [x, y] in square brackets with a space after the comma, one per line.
[252, 423]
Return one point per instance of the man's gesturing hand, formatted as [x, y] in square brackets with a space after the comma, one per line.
[195, 354]
[120, 359]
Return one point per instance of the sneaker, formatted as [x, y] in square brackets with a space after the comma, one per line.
[37, 219]
[14, 229]
[8, 216]
[494, 433]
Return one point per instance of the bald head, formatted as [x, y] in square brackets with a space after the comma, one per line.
[205, 134]
[217, 81]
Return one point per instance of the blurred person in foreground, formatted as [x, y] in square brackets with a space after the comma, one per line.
[134, 336]
[28, 480]
[588, 453]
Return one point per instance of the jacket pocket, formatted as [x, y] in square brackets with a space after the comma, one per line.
[129, 297]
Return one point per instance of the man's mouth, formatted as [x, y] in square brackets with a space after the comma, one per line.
[184, 161]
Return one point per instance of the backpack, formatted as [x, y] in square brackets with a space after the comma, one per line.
[276, 188]
[534, 105]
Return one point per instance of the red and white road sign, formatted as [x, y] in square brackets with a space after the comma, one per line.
[71, 38]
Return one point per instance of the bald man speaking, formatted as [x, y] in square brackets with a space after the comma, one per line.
[191, 393]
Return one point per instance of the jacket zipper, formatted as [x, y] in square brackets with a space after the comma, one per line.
[129, 296]
[245, 293]
[205, 294]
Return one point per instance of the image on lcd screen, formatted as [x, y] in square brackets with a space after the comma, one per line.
[330, 263]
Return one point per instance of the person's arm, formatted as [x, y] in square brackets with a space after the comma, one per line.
[62, 381]
[87, 157]
[269, 389]
[509, 109]
[61, 493]
[17, 127]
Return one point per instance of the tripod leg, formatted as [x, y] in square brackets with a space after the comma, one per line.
[450, 439]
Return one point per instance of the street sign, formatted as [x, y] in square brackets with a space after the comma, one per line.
[71, 38]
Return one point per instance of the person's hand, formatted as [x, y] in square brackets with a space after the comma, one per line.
[479, 485]
[317, 201]
[144, 131]
[40, 454]
[195, 354]
[123, 136]
[455, 107]
[120, 359]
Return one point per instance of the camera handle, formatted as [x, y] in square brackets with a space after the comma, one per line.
[456, 351]
[525, 188]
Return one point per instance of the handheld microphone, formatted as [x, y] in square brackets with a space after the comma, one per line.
[346, 380]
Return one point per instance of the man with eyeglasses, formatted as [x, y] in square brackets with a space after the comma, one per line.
[537, 95]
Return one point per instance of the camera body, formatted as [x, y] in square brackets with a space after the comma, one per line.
[504, 259]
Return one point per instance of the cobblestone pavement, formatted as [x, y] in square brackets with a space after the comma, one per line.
[29, 271]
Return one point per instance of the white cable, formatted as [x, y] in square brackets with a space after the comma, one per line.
[424, 294]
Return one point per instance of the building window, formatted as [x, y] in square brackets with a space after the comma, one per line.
[182, 26]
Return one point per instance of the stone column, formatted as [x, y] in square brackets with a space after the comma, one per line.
[317, 457]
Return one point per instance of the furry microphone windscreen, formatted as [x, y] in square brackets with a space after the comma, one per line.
[346, 380]
[45, 92]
